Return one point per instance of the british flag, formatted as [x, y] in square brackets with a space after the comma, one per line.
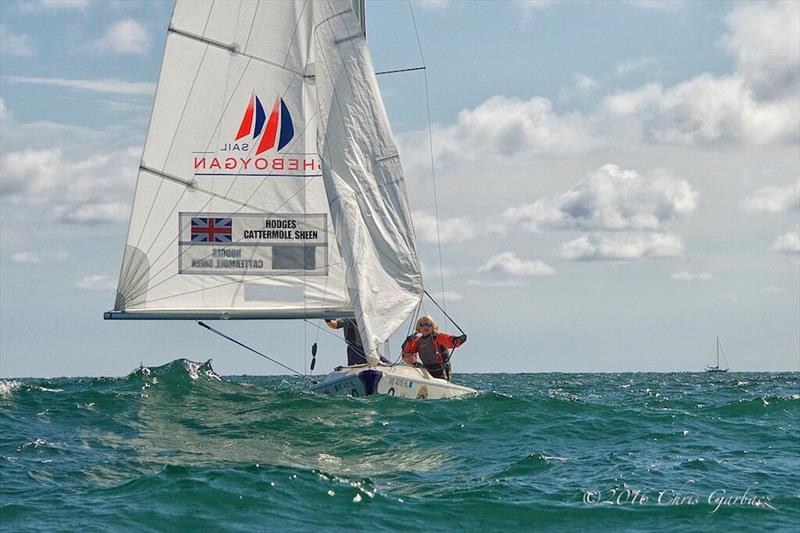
[211, 229]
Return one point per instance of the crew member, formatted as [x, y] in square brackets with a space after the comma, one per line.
[432, 347]
[355, 350]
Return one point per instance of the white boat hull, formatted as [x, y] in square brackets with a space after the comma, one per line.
[402, 381]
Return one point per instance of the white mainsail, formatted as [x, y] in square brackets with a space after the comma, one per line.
[232, 217]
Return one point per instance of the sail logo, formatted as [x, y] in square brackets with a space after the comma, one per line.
[277, 129]
[259, 133]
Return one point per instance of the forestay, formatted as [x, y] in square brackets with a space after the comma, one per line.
[235, 213]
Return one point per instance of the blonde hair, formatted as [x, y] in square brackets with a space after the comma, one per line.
[427, 318]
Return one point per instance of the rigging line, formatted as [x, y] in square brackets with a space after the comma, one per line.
[445, 312]
[399, 70]
[268, 358]
[335, 335]
[433, 165]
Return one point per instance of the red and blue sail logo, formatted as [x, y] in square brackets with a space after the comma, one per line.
[279, 127]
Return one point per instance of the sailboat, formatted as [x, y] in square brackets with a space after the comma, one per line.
[717, 368]
[270, 185]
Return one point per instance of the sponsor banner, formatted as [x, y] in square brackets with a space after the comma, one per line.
[253, 244]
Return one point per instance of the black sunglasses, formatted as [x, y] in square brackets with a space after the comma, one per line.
[425, 325]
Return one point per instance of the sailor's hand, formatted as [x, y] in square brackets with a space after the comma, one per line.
[331, 323]
[460, 340]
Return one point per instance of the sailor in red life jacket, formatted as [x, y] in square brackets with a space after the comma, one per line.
[432, 347]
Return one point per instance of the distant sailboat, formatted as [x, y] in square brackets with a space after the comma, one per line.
[717, 368]
[298, 211]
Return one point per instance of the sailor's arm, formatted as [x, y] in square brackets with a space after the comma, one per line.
[449, 341]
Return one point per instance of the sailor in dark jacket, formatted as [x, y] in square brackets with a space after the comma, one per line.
[355, 349]
[432, 347]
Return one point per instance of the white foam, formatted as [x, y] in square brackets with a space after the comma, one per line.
[7, 388]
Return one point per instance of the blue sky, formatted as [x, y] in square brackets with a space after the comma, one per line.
[618, 183]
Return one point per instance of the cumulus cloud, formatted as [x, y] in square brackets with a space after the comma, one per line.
[126, 36]
[94, 212]
[788, 243]
[756, 104]
[774, 199]
[97, 282]
[98, 85]
[511, 126]
[622, 247]
[14, 44]
[610, 198]
[509, 263]
[764, 39]
[706, 109]
[688, 276]
[80, 189]
[450, 229]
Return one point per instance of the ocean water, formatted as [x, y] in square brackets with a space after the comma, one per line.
[178, 447]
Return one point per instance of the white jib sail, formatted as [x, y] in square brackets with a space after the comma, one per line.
[363, 177]
[230, 215]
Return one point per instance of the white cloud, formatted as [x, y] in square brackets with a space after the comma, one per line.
[30, 257]
[97, 282]
[585, 84]
[509, 263]
[99, 85]
[30, 170]
[658, 5]
[500, 284]
[788, 243]
[451, 230]
[688, 276]
[54, 5]
[94, 213]
[705, 109]
[126, 36]
[447, 296]
[15, 44]
[79, 188]
[764, 39]
[535, 5]
[622, 247]
[774, 199]
[26, 257]
[626, 67]
[433, 5]
[510, 127]
[610, 198]
[773, 289]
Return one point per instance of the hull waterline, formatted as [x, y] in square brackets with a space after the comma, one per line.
[402, 381]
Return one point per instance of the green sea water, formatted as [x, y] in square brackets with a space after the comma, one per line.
[179, 448]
